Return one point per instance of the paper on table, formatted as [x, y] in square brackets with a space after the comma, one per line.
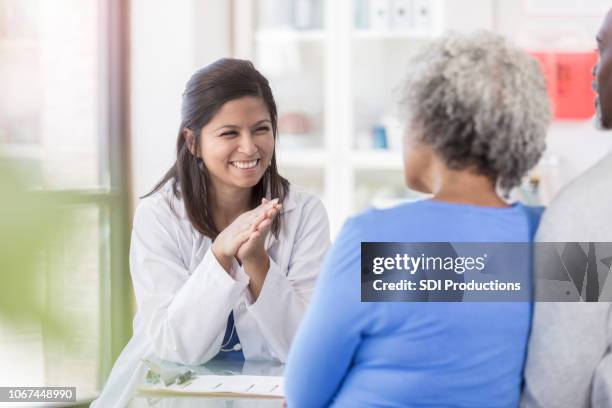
[236, 385]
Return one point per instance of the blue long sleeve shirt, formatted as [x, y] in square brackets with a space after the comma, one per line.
[353, 354]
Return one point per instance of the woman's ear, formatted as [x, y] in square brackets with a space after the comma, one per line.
[189, 136]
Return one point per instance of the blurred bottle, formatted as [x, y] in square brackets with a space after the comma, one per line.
[379, 137]
[394, 128]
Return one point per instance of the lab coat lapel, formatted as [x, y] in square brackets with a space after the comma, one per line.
[289, 205]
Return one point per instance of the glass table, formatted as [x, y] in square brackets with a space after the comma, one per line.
[220, 367]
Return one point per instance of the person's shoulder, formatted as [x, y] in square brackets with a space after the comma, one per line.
[303, 213]
[534, 212]
[587, 195]
[299, 198]
[371, 223]
[162, 204]
[589, 185]
[397, 212]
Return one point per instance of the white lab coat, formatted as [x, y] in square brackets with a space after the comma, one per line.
[184, 295]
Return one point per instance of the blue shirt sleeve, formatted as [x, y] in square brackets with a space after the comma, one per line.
[323, 349]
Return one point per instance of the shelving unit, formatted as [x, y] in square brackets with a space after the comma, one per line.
[303, 158]
[339, 78]
[288, 35]
[377, 34]
[376, 160]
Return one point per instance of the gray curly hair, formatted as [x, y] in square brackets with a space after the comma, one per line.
[477, 101]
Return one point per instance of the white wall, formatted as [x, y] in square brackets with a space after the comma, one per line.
[170, 41]
[468, 15]
[547, 31]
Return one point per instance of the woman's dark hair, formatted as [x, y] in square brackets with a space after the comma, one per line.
[205, 93]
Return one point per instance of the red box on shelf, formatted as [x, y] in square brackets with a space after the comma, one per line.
[569, 79]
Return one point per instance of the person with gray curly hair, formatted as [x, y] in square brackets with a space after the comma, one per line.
[478, 104]
[477, 111]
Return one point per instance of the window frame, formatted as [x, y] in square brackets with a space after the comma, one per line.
[115, 290]
[113, 197]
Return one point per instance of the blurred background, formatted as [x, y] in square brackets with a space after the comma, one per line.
[90, 94]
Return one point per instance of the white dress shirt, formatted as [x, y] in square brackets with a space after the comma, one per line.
[184, 295]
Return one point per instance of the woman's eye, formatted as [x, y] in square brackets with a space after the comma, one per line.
[230, 133]
[262, 129]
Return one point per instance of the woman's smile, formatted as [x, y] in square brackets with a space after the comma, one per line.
[245, 165]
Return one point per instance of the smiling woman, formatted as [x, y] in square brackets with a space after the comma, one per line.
[238, 144]
[227, 107]
[225, 253]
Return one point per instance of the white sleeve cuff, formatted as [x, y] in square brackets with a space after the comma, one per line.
[271, 291]
[210, 266]
[236, 273]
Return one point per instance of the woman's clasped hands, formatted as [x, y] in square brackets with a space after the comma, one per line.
[244, 240]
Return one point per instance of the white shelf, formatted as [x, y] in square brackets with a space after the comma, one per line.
[311, 158]
[376, 160]
[289, 35]
[358, 159]
[370, 34]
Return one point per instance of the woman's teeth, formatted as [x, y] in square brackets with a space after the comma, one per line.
[245, 164]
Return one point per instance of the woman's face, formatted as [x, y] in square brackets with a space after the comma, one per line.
[237, 144]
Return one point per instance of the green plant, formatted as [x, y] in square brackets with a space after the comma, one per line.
[28, 221]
